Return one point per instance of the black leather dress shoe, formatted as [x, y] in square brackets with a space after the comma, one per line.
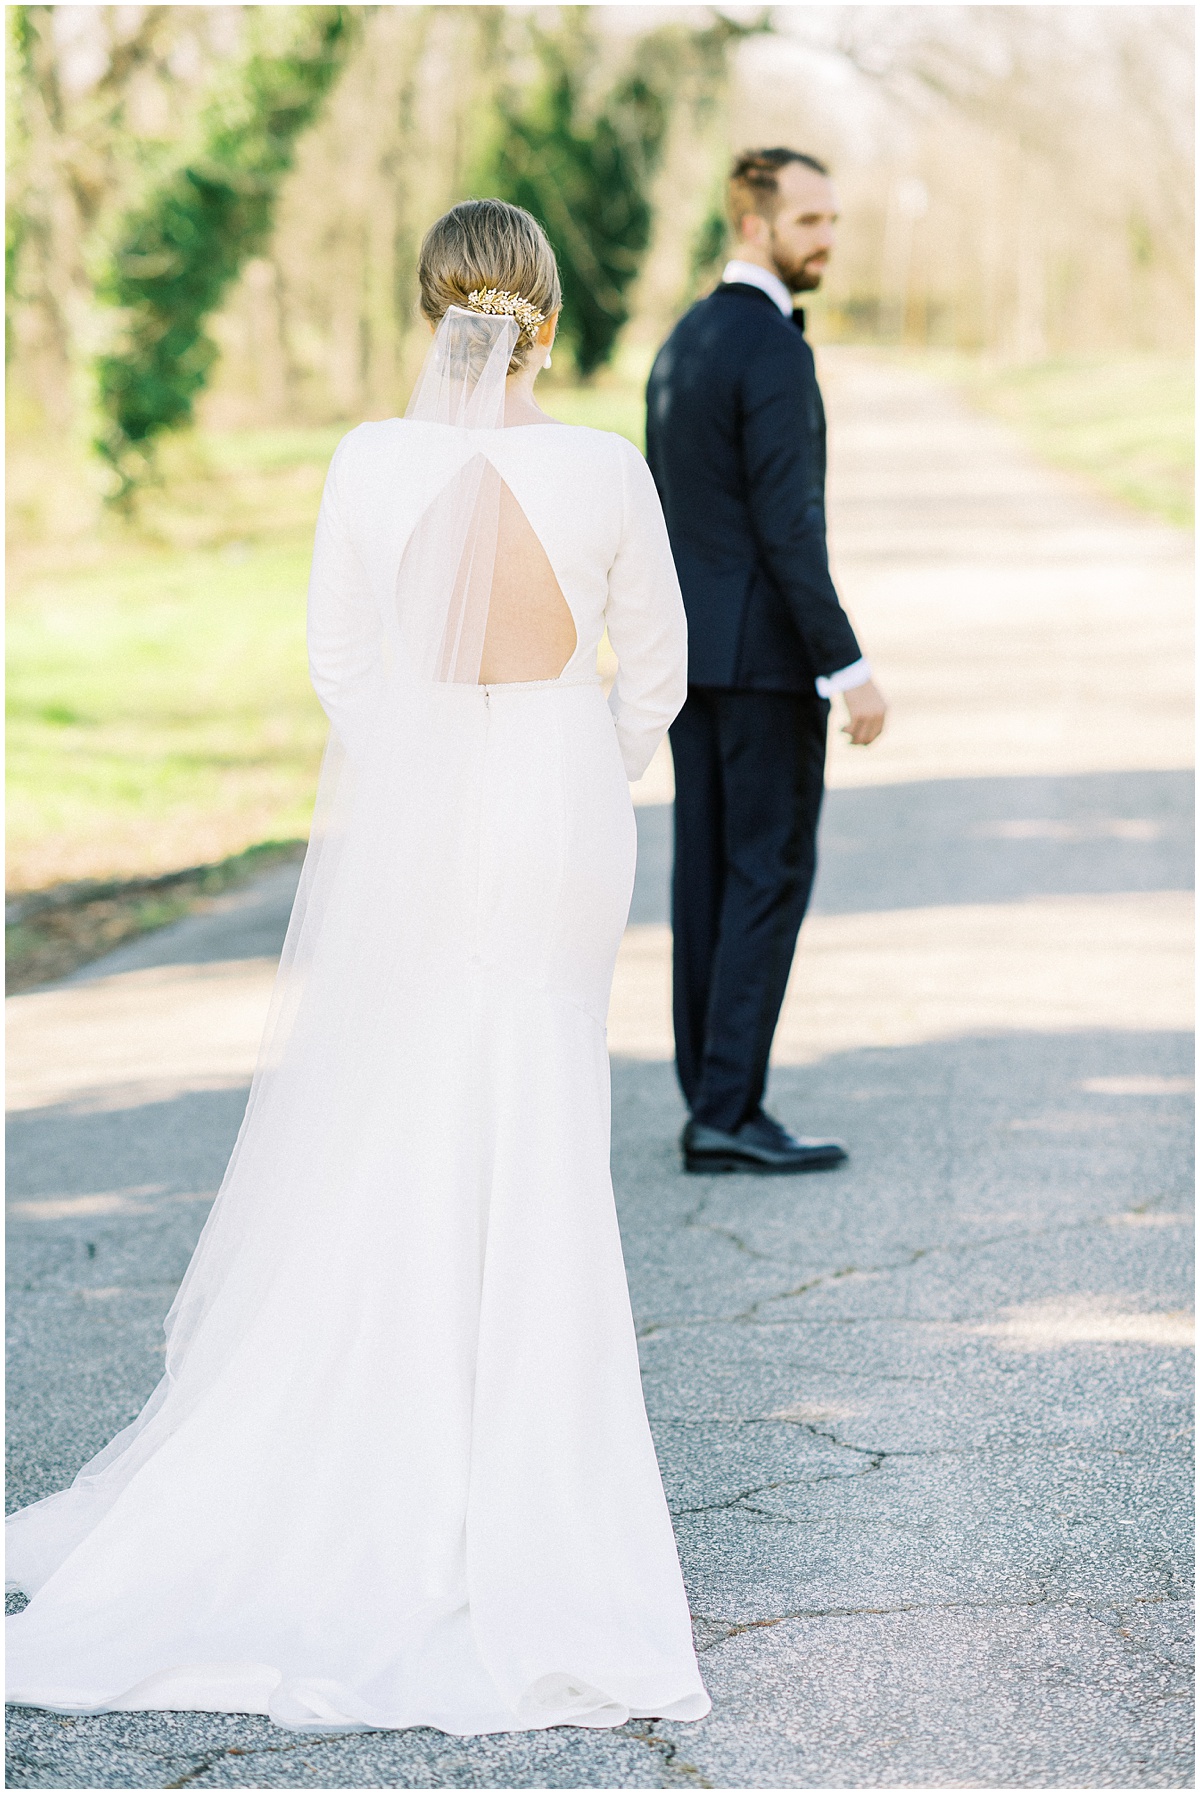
[761, 1146]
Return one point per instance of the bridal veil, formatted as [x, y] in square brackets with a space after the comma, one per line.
[397, 1470]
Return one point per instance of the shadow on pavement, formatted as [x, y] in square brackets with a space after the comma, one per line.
[882, 847]
[994, 840]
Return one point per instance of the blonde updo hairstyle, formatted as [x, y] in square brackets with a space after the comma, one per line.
[486, 243]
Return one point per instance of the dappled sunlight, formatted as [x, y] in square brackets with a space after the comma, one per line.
[883, 978]
[140, 1199]
[903, 977]
[816, 1414]
[1139, 1086]
[138, 1036]
[1090, 1320]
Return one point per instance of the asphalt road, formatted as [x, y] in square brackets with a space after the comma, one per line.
[924, 1423]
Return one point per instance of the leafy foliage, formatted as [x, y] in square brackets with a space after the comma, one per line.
[710, 246]
[585, 172]
[582, 156]
[186, 243]
[16, 222]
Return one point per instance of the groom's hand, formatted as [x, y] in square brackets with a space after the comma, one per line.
[867, 711]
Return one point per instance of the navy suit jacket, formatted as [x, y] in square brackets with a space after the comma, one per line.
[735, 438]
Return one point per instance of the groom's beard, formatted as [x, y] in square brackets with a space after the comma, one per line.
[801, 277]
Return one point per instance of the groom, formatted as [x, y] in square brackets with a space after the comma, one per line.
[735, 438]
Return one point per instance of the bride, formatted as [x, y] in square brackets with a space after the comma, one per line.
[398, 1470]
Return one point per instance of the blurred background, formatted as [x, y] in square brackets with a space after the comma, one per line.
[213, 221]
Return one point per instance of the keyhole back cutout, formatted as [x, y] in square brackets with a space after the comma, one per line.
[530, 630]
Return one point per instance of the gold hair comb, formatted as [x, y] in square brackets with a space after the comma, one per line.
[497, 304]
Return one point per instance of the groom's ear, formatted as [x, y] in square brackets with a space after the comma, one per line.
[753, 228]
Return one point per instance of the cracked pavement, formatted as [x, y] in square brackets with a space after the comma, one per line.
[924, 1423]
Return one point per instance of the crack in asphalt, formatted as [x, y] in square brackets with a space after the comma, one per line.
[36, 1761]
[1082, 1448]
[865, 1376]
[752, 1315]
[720, 1631]
[680, 1774]
[741, 1501]
[309, 1742]
[1141, 1647]
[692, 1219]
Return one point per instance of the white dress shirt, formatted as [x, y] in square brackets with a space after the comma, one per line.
[749, 274]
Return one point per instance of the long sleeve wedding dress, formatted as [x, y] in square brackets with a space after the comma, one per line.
[398, 1471]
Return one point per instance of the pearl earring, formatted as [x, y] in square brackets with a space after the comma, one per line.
[546, 363]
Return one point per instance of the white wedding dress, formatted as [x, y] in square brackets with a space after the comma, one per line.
[398, 1471]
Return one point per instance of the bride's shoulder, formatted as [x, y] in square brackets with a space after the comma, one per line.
[376, 432]
[608, 445]
[605, 460]
[386, 440]
[365, 437]
[614, 450]
[589, 433]
[598, 461]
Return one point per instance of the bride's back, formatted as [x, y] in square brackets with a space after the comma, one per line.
[475, 541]
[530, 631]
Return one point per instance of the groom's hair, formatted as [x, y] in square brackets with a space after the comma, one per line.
[754, 181]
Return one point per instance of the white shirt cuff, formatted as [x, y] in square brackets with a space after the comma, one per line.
[845, 680]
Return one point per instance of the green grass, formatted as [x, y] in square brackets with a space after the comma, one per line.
[159, 712]
[615, 404]
[47, 935]
[1128, 426]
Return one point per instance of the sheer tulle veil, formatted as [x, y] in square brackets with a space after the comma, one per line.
[397, 1470]
[386, 757]
[445, 577]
